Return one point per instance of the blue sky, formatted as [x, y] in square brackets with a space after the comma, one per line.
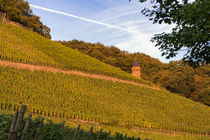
[111, 22]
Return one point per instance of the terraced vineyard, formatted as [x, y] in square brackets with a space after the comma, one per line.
[114, 104]
[20, 45]
[111, 105]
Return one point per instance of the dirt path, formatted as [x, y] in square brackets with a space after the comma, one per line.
[52, 69]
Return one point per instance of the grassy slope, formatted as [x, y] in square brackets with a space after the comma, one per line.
[106, 102]
[24, 46]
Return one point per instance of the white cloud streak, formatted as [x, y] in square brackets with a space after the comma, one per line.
[122, 15]
[85, 19]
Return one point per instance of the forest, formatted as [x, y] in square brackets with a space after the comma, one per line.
[177, 76]
[19, 11]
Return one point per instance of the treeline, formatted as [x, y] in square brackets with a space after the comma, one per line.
[177, 76]
[19, 11]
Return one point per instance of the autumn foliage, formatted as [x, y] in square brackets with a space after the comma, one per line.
[177, 76]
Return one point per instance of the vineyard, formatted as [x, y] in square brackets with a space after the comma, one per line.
[73, 97]
[20, 45]
[114, 106]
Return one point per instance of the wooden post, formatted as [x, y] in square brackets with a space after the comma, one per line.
[39, 129]
[76, 132]
[117, 136]
[99, 133]
[108, 135]
[90, 133]
[125, 137]
[26, 127]
[133, 138]
[19, 120]
[12, 128]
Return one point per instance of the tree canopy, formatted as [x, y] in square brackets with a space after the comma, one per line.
[19, 11]
[191, 33]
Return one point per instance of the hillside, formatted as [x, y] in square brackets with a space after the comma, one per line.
[20, 45]
[114, 106]
[116, 57]
[18, 12]
[169, 76]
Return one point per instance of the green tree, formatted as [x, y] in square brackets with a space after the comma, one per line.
[19, 11]
[97, 54]
[191, 33]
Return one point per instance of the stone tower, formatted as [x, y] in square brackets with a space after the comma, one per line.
[2, 17]
[136, 70]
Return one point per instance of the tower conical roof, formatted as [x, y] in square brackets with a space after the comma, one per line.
[136, 64]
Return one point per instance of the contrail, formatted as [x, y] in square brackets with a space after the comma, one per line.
[121, 15]
[84, 19]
